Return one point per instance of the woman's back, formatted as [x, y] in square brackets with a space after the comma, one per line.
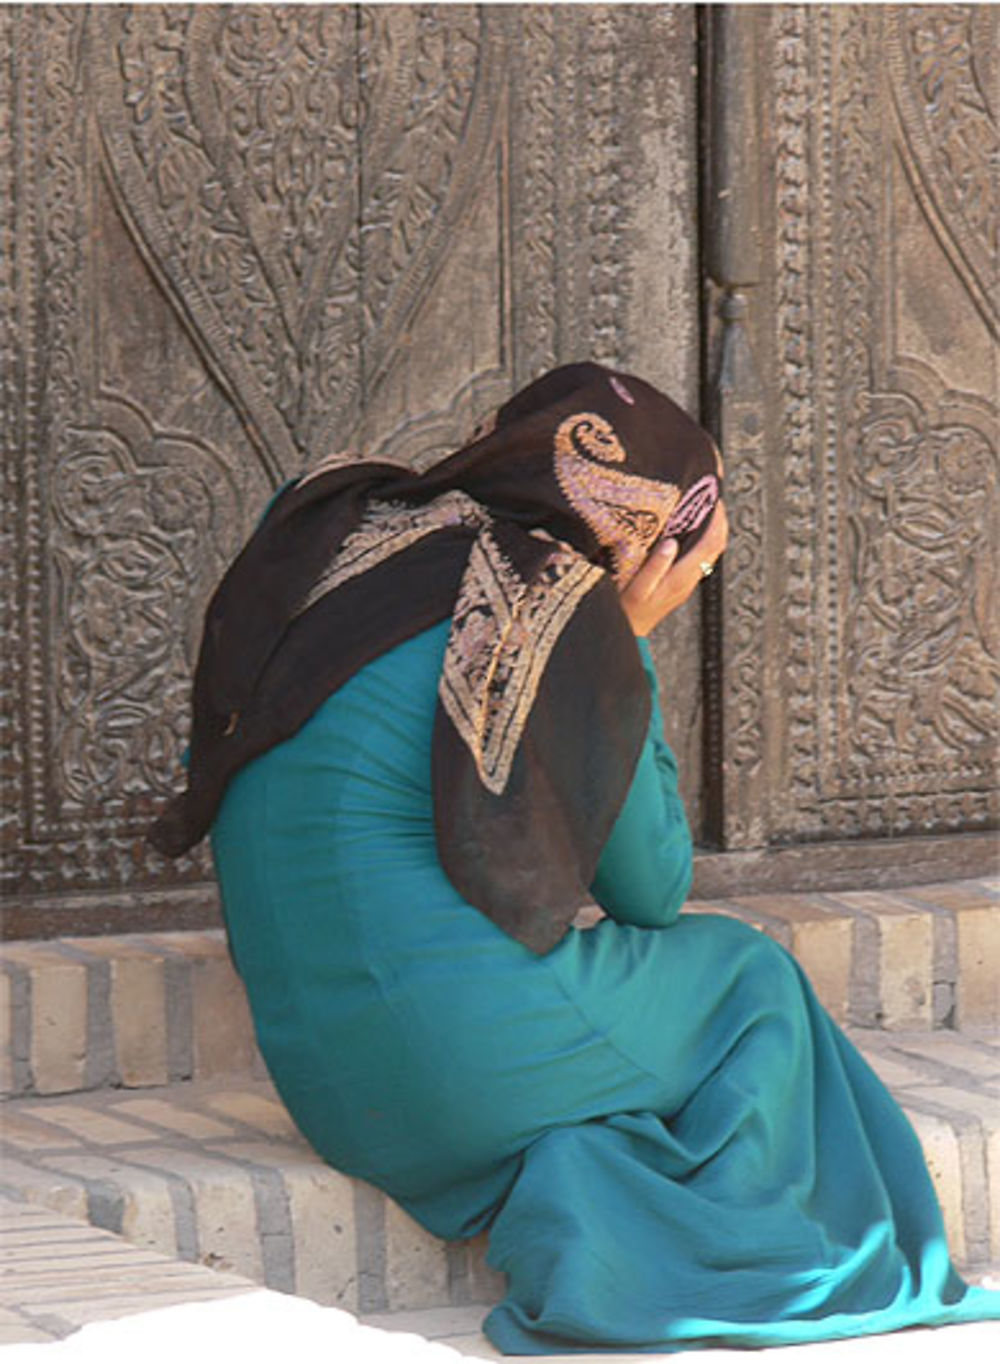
[414, 1040]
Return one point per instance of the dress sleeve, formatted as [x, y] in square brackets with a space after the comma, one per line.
[644, 874]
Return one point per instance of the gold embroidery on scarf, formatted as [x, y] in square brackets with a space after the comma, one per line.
[587, 433]
[625, 511]
[503, 629]
[503, 633]
[387, 528]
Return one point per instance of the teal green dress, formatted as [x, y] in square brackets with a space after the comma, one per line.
[671, 1143]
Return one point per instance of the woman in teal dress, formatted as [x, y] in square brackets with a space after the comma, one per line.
[670, 1142]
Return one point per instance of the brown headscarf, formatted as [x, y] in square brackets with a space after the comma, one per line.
[523, 538]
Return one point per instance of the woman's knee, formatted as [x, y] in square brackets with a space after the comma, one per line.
[757, 961]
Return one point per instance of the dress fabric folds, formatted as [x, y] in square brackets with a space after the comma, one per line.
[672, 1144]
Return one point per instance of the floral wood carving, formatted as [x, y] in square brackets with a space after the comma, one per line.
[922, 641]
[944, 89]
[138, 516]
[892, 638]
[261, 164]
[288, 184]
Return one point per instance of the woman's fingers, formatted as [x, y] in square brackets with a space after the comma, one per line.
[689, 569]
[658, 563]
[711, 545]
[665, 581]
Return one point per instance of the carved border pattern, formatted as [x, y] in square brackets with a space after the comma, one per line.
[848, 288]
[534, 168]
[793, 272]
[11, 675]
[606, 47]
[744, 593]
[55, 120]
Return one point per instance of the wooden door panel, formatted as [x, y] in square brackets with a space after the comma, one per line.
[238, 237]
[860, 640]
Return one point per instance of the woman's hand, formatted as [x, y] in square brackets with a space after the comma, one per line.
[665, 582]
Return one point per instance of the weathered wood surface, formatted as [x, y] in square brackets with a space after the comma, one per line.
[236, 238]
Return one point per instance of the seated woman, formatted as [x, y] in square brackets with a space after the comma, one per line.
[425, 725]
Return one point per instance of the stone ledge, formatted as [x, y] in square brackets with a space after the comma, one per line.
[214, 1173]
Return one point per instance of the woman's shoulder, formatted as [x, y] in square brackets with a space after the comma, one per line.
[420, 653]
[402, 681]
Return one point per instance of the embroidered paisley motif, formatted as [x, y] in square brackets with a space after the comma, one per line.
[504, 628]
[695, 506]
[625, 511]
[586, 433]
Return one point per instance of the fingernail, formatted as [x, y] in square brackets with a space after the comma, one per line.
[668, 548]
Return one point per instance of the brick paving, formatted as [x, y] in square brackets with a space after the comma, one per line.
[95, 1299]
[57, 1273]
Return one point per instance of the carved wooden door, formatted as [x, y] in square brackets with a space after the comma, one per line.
[238, 237]
[860, 652]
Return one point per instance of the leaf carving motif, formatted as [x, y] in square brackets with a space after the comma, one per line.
[922, 644]
[294, 173]
[939, 57]
[136, 540]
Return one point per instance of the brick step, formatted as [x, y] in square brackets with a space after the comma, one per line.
[213, 1172]
[916, 957]
[146, 1010]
